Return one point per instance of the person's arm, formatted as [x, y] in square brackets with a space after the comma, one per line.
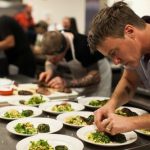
[48, 73]
[8, 42]
[91, 78]
[122, 94]
[125, 89]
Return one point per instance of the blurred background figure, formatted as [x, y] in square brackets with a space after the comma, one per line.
[71, 64]
[40, 28]
[4, 65]
[25, 19]
[146, 19]
[14, 43]
[70, 25]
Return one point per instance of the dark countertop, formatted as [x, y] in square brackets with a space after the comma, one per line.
[8, 141]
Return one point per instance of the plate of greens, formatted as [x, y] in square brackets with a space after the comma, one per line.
[144, 131]
[77, 119]
[16, 112]
[34, 100]
[90, 134]
[128, 111]
[58, 107]
[32, 126]
[50, 142]
[93, 102]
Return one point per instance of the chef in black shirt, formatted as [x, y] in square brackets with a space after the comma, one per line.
[14, 43]
[90, 71]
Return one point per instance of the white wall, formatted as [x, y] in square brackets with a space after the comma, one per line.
[57, 9]
[141, 7]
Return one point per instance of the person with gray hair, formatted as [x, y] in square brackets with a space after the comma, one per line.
[88, 71]
[117, 32]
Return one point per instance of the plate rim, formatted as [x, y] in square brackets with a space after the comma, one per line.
[79, 142]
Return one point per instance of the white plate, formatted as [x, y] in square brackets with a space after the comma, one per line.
[53, 139]
[62, 117]
[82, 134]
[54, 124]
[136, 110]
[15, 100]
[3, 110]
[47, 107]
[85, 101]
[142, 132]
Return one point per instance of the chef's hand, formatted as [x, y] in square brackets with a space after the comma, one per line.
[119, 124]
[101, 117]
[46, 76]
[57, 83]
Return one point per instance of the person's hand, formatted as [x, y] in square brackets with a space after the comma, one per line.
[45, 76]
[119, 124]
[101, 119]
[57, 83]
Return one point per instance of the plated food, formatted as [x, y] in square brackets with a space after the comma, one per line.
[130, 111]
[33, 100]
[93, 102]
[50, 142]
[91, 135]
[16, 112]
[76, 119]
[31, 126]
[144, 131]
[58, 107]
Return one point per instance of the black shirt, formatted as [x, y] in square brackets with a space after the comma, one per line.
[21, 54]
[83, 52]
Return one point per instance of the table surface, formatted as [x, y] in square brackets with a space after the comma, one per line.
[8, 141]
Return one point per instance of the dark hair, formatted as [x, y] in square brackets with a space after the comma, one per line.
[42, 24]
[73, 26]
[53, 42]
[111, 21]
[146, 19]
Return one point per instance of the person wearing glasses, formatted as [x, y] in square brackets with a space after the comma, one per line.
[117, 32]
[88, 71]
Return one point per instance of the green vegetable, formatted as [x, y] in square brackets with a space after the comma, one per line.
[61, 147]
[103, 138]
[62, 107]
[34, 100]
[98, 137]
[25, 128]
[40, 145]
[43, 128]
[27, 113]
[98, 103]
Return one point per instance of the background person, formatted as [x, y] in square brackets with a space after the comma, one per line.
[90, 72]
[40, 29]
[117, 32]
[69, 24]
